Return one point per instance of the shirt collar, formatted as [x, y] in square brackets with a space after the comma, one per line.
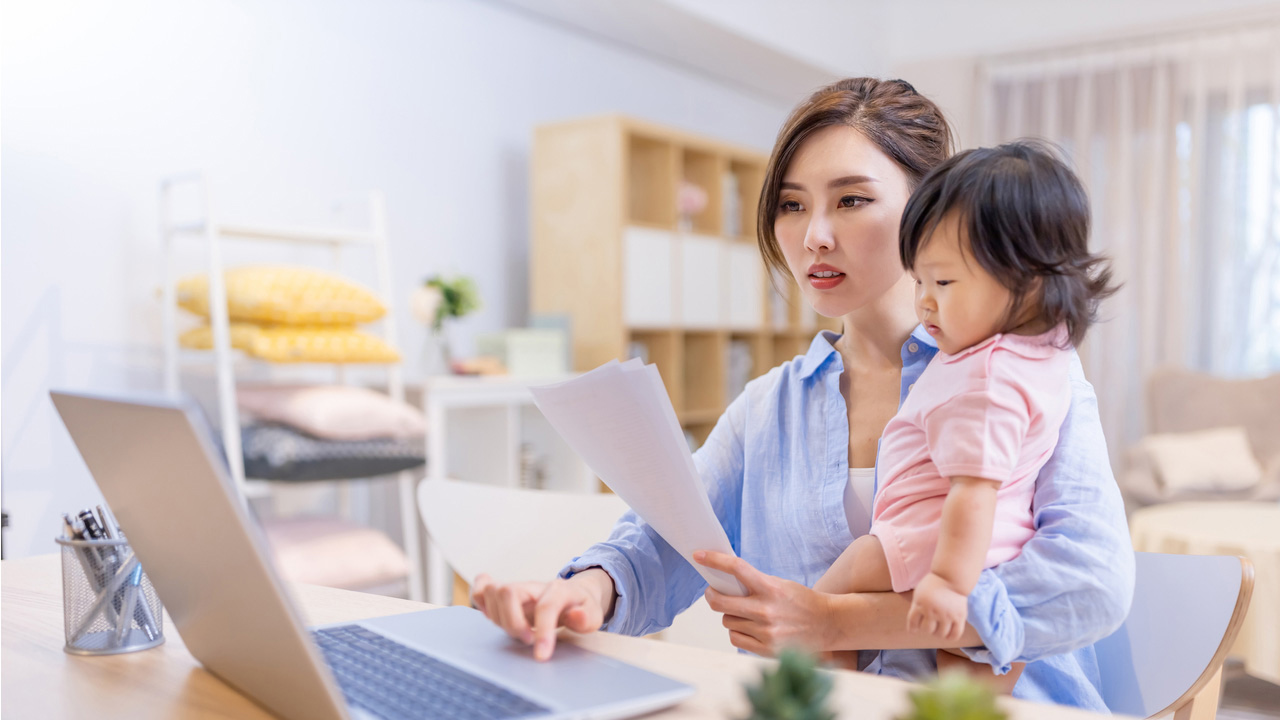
[1029, 346]
[823, 348]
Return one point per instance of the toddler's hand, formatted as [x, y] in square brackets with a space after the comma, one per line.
[938, 609]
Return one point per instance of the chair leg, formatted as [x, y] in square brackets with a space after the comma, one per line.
[1204, 705]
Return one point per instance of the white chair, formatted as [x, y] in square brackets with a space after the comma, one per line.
[516, 534]
[1166, 659]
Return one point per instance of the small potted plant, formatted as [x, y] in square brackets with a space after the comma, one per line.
[954, 696]
[432, 304]
[797, 690]
[794, 690]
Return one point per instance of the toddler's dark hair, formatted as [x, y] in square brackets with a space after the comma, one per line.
[1026, 216]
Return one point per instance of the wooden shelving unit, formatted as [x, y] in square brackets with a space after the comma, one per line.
[691, 295]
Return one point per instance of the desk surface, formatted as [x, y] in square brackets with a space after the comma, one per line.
[41, 681]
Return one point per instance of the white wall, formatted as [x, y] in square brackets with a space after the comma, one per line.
[294, 109]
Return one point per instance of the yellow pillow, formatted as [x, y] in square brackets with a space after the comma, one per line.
[326, 343]
[201, 338]
[289, 295]
[299, 343]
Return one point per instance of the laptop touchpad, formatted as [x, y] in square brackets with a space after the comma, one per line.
[572, 678]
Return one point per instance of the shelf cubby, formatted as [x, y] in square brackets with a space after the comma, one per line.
[703, 168]
[651, 181]
[787, 345]
[664, 349]
[748, 178]
[700, 430]
[748, 355]
[704, 373]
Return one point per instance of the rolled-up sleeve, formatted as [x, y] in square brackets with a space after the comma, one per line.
[1073, 583]
[654, 583]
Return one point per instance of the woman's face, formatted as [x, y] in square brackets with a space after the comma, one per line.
[839, 209]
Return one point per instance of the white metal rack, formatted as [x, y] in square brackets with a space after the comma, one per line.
[214, 233]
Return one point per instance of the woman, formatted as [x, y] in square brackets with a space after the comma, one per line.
[790, 466]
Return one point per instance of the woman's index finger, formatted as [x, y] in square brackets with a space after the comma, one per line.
[733, 565]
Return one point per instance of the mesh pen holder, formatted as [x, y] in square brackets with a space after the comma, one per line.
[108, 603]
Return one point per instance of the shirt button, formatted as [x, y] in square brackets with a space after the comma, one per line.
[911, 387]
[913, 347]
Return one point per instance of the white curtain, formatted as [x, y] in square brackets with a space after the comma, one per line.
[1176, 140]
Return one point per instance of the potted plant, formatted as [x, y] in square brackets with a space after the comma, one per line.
[432, 304]
[794, 690]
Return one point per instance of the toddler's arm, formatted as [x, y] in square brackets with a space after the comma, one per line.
[939, 604]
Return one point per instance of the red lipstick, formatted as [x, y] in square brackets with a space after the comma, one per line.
[824, 277]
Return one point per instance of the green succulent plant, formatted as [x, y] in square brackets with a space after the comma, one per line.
[795, 690]
[954, 696]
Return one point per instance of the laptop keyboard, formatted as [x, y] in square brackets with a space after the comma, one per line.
[391, 680]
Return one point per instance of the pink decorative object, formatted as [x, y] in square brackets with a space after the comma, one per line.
[690, 199]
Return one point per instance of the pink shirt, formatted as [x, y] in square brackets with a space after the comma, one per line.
[990, 411]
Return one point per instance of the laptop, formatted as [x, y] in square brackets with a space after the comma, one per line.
[168, 487]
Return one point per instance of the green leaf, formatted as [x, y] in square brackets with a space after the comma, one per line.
[459, 296]
[954, 696]
[794, 690]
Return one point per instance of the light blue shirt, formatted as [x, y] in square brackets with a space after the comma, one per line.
[775, 468]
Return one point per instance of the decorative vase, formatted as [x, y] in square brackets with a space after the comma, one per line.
[436, 359]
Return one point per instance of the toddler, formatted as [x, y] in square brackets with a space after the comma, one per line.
[997, 242]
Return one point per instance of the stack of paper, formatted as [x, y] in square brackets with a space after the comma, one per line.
[619, 419]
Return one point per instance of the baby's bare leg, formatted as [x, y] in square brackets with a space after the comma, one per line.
[860, 568]
[951, 660]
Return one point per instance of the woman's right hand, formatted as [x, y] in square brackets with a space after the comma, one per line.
[531, 612]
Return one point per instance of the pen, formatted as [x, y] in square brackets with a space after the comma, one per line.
[93, 530]
[129, 611]
[106, 523]
[90, 560]
[141, 610]
[103, 602]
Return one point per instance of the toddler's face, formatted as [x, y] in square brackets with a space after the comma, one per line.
[958, 303]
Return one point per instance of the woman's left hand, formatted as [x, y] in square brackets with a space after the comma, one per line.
[775, 614]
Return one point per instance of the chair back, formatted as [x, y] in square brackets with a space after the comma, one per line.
[1187, 610]
[512, 533]
[515, 534]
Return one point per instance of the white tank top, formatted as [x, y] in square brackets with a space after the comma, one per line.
[858, 496]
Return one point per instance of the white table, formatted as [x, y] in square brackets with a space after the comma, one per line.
[476, 427]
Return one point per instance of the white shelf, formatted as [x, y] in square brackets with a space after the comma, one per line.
[225, 359]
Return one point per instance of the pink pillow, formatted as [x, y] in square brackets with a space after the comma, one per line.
[334, 553]
[333, 412]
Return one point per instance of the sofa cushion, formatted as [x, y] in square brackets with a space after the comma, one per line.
[1181, 401]
[1217, 459]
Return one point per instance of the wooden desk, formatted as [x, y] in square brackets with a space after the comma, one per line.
[41, 681]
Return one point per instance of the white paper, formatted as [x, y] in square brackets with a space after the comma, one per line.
[619, 419]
